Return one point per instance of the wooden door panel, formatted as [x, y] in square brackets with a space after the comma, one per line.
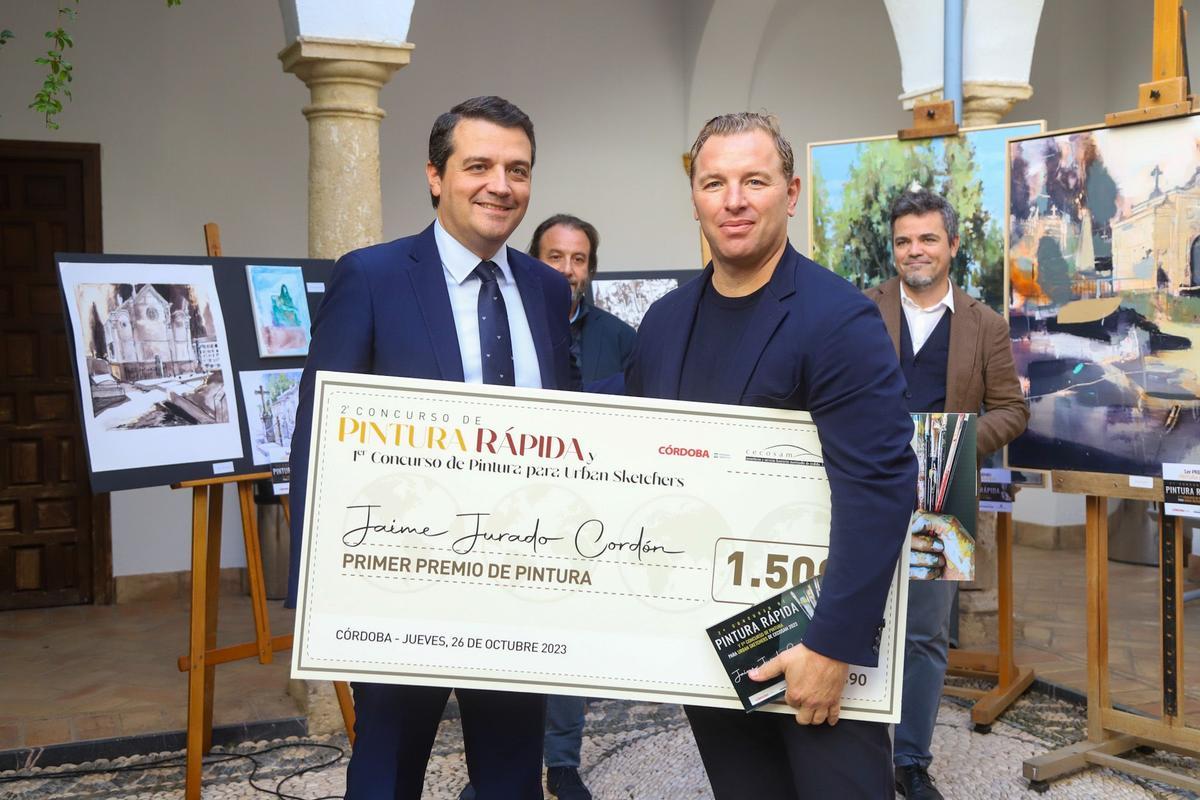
[54, 546]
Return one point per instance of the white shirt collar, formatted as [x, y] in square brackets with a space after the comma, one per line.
[947, 300]
[460, 262]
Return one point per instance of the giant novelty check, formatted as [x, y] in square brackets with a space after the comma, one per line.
[566, 543]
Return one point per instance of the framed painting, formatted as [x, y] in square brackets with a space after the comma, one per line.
[152, 360]
[853, 183]
[280, 307]
[1103, 254]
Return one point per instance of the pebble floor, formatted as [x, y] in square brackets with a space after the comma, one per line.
[631, 751]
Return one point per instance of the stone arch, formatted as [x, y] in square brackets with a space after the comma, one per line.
[726, 57]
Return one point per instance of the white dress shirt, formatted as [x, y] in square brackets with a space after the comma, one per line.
[922, 321]
[459, 263]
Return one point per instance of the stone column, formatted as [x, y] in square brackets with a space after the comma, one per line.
[986, 102]
[344, 78]
[345, 209]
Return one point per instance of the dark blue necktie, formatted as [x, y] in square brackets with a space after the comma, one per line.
[495, 342]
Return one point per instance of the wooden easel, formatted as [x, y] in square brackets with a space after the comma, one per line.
[1111, 732]
[203, 653]
[1011, 680]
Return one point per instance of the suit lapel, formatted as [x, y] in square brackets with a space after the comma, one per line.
[429, 285]
[889, 308]
[964, 347]
[533, 298]
[766, 318]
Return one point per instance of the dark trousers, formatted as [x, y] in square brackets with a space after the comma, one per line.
[395, 727]
[767, 756]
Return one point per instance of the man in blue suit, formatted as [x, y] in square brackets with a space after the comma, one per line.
[764, 326]
[451, 303]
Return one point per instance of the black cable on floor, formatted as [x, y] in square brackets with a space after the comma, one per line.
[220, 758]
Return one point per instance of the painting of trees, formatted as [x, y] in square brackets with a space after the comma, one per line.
[853, 185]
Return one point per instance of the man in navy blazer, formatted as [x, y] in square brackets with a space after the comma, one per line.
[764, 326]
[414, 307]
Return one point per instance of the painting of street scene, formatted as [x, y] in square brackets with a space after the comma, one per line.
[852, 185]
[270, 397]
[1104, 277]
[629, 298]
[152, 354]
[152, 360]
[280, 305]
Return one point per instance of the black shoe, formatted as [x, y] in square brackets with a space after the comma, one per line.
[565, 784]
[914, 783]
[468, 793]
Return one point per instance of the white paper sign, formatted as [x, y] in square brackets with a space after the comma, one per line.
[1181, 490]
[480, 536]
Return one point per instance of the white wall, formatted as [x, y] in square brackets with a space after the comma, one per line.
[197, 122]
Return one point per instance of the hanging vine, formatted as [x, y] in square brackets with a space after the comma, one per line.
[59, 71]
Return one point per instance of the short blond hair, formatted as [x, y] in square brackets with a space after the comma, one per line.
[742, 122]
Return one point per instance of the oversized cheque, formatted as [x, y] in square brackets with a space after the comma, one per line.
[481, 536]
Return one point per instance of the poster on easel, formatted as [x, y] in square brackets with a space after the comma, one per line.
[163, 353]
[1104, 296]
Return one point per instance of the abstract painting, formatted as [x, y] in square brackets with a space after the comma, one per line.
[280, 305]
[852, 185]
[270, 397]
[151, 361]
[1104, 278]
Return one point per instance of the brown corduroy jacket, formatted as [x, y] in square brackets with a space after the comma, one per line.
[980, 374]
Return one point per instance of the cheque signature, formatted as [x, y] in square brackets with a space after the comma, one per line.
[590, 539]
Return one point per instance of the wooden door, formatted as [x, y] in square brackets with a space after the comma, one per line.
[55, 546]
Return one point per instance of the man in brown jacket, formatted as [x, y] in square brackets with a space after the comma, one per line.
[956, 356]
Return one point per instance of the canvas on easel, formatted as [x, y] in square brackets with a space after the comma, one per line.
[853, 183]
[1104, 313]
[157, 345]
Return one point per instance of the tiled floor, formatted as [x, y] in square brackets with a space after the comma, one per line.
[93, 672]
[96, 672]
[1051, 628]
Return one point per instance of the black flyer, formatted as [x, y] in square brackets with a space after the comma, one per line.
[757, 634]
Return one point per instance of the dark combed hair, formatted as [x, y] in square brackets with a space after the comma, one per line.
[921, 202]
[570, 221]
[490, 108]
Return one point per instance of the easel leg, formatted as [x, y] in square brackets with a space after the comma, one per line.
[346, 703]
[1011, 681]
[212, 582]
[1097, 614]
[196, 641]
[254, 572]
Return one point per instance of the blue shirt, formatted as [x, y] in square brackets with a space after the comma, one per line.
[459, 263]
